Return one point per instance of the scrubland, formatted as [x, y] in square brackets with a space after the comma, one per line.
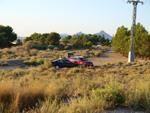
[21, 52]
[69, 90]
[43, 89]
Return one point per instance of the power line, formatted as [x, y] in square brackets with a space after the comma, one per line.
[131, 56]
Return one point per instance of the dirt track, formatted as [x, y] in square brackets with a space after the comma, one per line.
[109, 56]
[13, 63]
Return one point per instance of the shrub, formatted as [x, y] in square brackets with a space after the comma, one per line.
[4, 64]
[112, 93]
[85, 55]
[33, 52]
[33, 62]
[56, 48]
[98, 53]
[51, 47]
[68, 47]
[43, 47]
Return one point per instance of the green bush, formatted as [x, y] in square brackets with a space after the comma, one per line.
[51, 47]
[43, 47]
[68, 47]
[112, 93]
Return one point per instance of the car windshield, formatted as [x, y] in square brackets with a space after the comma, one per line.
[83, 59]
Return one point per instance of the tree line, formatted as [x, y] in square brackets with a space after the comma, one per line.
[75, 40]
[7, 36]
[121, 41]
[86, 40]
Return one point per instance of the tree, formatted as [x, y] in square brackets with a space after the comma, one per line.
[142, 41]
[7, 36]
[53, 39]
[89, 44]
[74, 37]
[68, 37]
[41, 40]
[84, 41]
[121, 40]
[19, 42]
[102, 40]
[65, 41]
[77, 43]
[94, 39]
[3, 41]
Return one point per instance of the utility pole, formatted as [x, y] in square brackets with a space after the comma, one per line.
[131, 55]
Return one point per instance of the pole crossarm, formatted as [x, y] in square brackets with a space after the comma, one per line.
[133, 1]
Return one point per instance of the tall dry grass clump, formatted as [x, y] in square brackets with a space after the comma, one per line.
[14, 99]
[98, 53]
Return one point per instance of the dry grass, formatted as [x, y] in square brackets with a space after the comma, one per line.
[70, 90]
[23, 52]
[77, 89]
[98, 53]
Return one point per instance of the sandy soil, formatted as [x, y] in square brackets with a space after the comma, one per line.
[107, 57]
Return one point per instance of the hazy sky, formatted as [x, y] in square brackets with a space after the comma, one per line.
[70, 16]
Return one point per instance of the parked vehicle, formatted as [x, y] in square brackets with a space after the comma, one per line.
[70, 55]
[63, 63]
[81, 61]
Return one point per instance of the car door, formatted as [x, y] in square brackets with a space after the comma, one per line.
[72, 60]
[69, 63]
[76, 60]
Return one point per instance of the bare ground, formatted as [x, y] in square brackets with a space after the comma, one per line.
[13, 63]
[107, 57]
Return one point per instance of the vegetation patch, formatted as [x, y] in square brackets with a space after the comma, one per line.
[4, 64]
[44, 88]
[33, 62]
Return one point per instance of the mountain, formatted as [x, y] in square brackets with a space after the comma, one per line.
[105, 34]
[63, 35]
[100, 33]
[80, 33]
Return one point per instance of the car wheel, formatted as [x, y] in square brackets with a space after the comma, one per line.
[57, 67]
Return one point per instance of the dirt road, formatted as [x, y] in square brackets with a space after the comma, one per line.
[13, 63]
[109, 56]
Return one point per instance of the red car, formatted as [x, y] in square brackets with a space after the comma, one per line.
[81, 61]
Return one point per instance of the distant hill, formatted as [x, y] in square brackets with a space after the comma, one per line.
[105, 34]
